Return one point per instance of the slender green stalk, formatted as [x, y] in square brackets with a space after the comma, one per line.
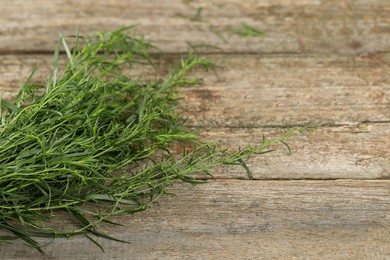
[93, 142]
[197, 17]
[248, 31]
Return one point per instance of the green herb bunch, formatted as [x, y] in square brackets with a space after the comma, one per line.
[93, 142]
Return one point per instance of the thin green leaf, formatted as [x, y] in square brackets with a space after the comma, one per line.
[95, 242]
[10, 106]
[67, 49]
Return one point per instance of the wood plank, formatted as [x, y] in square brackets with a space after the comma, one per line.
[355, 152]
[252, 91]
[344, 27]
[246, 220]
[263, 90]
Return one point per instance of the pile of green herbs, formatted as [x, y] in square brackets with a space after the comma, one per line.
[94, 142]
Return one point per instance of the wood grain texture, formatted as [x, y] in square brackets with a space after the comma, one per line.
[324, 62]
[355, 152]
[263, 90]
[247, 220]
[332, 26]
[240, 103]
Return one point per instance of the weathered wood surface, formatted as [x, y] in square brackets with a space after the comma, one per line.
[247, 220]
[318, 26]
[264, 90]
[321, 62]
[239, 103]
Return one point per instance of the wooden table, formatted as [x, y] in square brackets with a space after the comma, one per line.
[321, 62]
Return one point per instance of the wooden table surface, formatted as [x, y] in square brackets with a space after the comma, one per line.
[322, 62]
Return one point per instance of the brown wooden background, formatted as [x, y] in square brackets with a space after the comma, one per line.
[325, 62]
